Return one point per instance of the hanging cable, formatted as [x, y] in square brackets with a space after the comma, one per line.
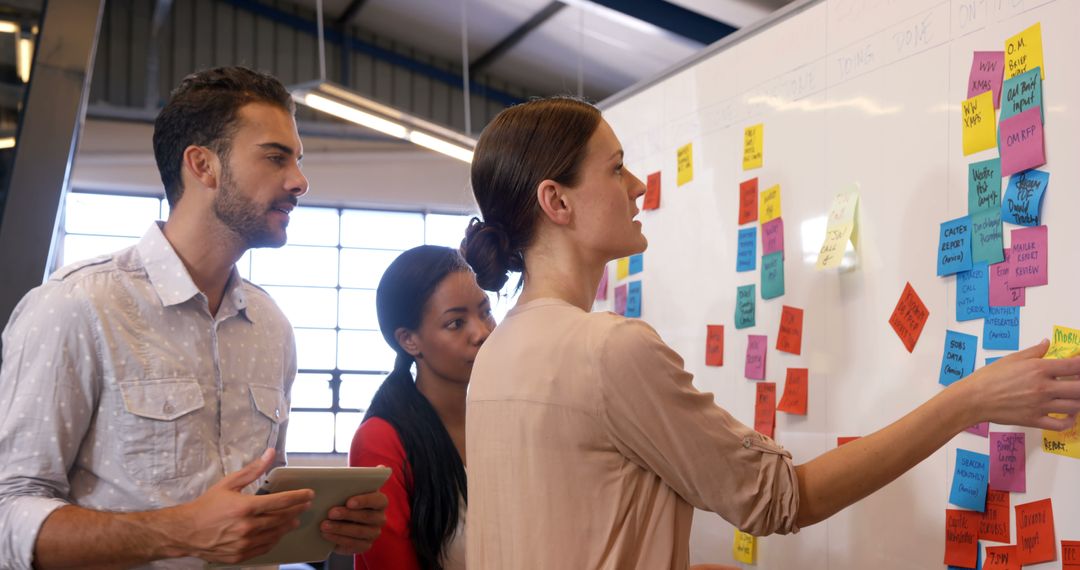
[322, 41]
[465, 65]
[581, 55]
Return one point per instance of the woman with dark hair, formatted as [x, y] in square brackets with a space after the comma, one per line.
[589, 445]
[433, 315]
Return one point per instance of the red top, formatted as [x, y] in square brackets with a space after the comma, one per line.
[376, 443]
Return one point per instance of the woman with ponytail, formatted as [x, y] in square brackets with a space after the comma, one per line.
[434, 316]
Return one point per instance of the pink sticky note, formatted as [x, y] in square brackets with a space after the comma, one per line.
[620, 299]
[1008, 462]
[756, 346]
[1001, 295]
[1030, 266]
[980, 429]
[772, 236]
[987, 68]
[601, 290]
[1020, 142]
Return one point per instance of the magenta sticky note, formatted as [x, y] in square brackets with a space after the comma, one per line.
[756, 346]
[1001, 294]
[1020, 142]
[772, 237]
[987, 69]
[980, 429]
[1008, 462]
[620, 299]
[601, 290]
[1030, 266]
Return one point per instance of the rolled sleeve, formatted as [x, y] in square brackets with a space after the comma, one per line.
[20, 520]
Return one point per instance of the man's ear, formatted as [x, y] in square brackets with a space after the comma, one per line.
[554, 201]
[408, 340]
[202, 165]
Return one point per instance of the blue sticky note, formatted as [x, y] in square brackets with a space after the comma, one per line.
[633, 300]
[954, 246]
[969, 480]
[1023, 197]
[772, 275]
[984, 185]
[959, 358]
[1021, 93]
[986, 244]
[978, 560]
[637, 263]
[746, 260]
[991, 359]
[1001, 329]
[745, 306]
[973, 292]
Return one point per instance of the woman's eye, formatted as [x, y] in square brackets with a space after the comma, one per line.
[454, 324]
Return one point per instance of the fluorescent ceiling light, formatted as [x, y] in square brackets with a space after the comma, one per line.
[8, 27]
[7, 142]
[25, 58]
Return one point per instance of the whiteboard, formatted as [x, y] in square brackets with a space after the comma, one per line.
[862, 92]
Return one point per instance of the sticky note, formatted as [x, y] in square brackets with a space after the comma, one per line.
[601, 289]
[992, 359]
[772, 236]
[622, 268]
[1030, 266]
[1022, 92]
[652, 192]
[973, 293]
[979, 123]
[746, 256]
[1024, 51]
[789, 339]
[981, 429]
[745, 306]
[620, 299]
[1008, 463]
[972, 470]
[753, 147]
[765, 409]
[770, 204]
[1002, 558]
[636, 263]
[954, 246]
[978, 560]
[986, 234]
[1023, 197]
[685, 159]
[984, 185]
[1035, 539]
[961, 539]
[1001, 295]
[909, 317]
[987, 70]
[1064, 443]
[748, 201]
[1064, 343]
[744, 548]
[1001, 329]
[1021, 146]
[994, 523]
[756, 346]
[633, 300]
[842, 440]
[796, 392]
[1070, 555]
[959, 358]
[841, 227]
[714, 345]
[772, 275]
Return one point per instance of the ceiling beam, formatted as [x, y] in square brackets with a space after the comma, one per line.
[349, 14]
[670, 17]
[513, 38]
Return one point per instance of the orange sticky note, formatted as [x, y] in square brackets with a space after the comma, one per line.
[1035, 532]
[1070, 555]
[909, 317]
[765, 408]
[841, 440]
[961, 541]
[714, 345]
[748, 201]
[994, 523]
[1001, 558]
[795, 392]
[790, 337]
[652, 192]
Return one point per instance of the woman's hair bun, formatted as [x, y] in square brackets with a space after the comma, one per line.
[491, 253]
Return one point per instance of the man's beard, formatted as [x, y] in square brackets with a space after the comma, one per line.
[243, 216]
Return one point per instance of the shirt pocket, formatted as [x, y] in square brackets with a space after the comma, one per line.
[273, 411]
[159, 428]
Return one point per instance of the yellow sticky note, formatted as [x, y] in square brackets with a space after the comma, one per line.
[1023, 52]
[622, 268]
[686, 164]
[1064, 343]
[745, 547]
[753, 146]
[980, 123]
[841, 228]
[770, 205]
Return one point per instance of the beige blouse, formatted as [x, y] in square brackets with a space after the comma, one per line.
[589, 447]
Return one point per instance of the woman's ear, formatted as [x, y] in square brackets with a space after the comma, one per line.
[553, 200]
[408, 341]
[202, 164]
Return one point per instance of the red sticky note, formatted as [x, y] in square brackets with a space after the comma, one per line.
[1035, 532]
[765, 408]
[789, 338]
[714, 345]
[994, 523]
[981, 429]
[987, 69]
[756, 346]
[1070, 555]
[652, 192]
[1020, 142]
[1001, 558]
[772, 237]
[841, 440]
[795, 391]
[601, 289]
[1008, 461]
[1030, 266]
[909, 317]
[1001, 294]
[748, 201]
[961, 540]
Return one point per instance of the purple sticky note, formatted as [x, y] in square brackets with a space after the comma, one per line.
[1001, 295]
[756, 346]
[601, 290]
[772, 237]
[1030, 266]
[1020, 142]
[987, 68]
[979, 429]
[1008, 462]
[620, 299]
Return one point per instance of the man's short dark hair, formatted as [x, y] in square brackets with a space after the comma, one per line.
[203, 110]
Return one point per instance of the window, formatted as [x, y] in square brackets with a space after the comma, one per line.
[324, 281]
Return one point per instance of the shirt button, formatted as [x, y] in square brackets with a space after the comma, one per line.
[167, 408]
[746, 442]
[277, 413]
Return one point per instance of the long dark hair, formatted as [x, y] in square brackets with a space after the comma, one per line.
[435, 467]
[542, 139]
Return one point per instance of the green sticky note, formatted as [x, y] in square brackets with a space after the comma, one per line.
[772, 275]
[745, 306]
[986, 232]
[984, 185]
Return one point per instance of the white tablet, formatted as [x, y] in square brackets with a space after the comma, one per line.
[333, 486]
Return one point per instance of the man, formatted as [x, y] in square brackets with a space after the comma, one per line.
[139, 390]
